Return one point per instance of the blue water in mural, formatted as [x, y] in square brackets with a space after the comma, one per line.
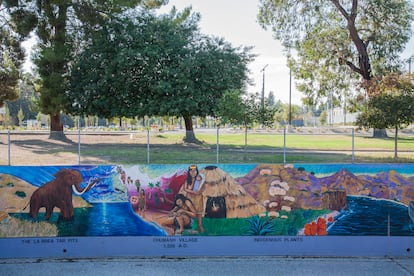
[118, 219]
[103, 219]
[371, 217]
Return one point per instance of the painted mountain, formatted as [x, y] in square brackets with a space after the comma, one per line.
[280, 187]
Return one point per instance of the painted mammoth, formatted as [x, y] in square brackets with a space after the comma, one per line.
[58, 193]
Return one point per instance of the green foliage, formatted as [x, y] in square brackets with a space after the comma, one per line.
[24, 21]
[11, 58]
[16, 23]
[224, 226]
[7, 120]
[9, 76]
[155, 65]
[236, 108]
[260, 226]
[392, 106]
[62, 27]
[233, 109]
[20, 116]
[21, 194]
[27, 100]
[257, 226]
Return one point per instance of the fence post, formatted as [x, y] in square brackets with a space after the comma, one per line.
[148, 145]
[217, 146]
[8, 146]
[353, 145]
[79, 145]
[284, 145]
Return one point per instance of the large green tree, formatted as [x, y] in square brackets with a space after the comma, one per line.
[156, 65]
[9, 76]
[391, 105]
[60, 26]
[335, 44]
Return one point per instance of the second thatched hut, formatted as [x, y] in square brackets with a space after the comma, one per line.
[223, 197]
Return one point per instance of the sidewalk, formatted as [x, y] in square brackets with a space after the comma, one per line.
[209, 266]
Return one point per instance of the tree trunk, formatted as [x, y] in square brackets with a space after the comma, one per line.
[189, 131]
[380, 133]
[56, 128]
[364, 63]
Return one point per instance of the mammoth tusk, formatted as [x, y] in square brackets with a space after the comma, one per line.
[87, 188]
[76, 191]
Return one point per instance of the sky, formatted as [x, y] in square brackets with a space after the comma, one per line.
[236, 21]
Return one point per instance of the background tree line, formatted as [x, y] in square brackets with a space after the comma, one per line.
[119, 59]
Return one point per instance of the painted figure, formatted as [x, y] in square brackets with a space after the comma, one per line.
[192, 189]
[142, 205]
[181, 215]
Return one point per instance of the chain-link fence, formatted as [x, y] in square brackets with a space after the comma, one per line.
[229, 145]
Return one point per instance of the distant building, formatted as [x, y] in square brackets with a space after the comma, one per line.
[298, 122]
[337, 116]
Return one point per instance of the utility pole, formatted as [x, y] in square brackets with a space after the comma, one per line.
[263, 85]
[290, 96]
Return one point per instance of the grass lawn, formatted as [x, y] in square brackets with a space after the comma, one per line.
[322, 142]
[168, 148]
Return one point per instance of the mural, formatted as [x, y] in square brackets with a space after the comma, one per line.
[207, 200]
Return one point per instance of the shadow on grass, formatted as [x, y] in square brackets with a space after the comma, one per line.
[42, 146]
[190, 153]
[40, 150]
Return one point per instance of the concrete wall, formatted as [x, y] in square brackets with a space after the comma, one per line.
[239, 209]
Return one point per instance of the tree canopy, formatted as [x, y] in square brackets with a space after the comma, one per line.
[240, 109]
[330, 43]
[15, 26]
[155, 65]
[60, 27]
[391, 104]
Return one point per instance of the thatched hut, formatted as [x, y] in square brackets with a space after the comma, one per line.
[225, 198]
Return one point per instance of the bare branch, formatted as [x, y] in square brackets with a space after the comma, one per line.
[341, 9]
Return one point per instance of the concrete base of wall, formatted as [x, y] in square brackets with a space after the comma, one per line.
[176, 246]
